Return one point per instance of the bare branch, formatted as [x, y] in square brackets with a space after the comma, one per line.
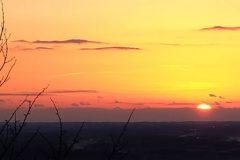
[116, 146]
[13, 139]
[12, 115]
[26, 145]
[4, 50]
[74, 141]
[47, 141]
[60, 145]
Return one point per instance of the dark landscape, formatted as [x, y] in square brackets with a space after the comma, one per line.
[141, 141]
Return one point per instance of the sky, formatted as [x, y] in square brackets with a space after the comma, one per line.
[128, 54]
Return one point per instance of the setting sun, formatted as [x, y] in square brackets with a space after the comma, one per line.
[204, 107]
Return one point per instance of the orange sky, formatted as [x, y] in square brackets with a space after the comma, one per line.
[141, 53]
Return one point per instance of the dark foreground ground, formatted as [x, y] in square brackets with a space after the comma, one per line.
[141, 141]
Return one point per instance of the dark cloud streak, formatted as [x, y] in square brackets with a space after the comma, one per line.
[68, 41]
[110, 48]
[36, 48]
[73, 91]
[221, 28]
[181, 104]
[48, 93]
[21, 94]
[212, 95]
[185, 44]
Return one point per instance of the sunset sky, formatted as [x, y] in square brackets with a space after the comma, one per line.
[125, 53]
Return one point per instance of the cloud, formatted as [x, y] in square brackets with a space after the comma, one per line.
[43, 48]
[128, 103]
[110, 48]
[68, 41]
[181, 104]
[221, 28]
[36, 48]
[212, 95]
[170, 44]
[217, 103]
[73, 91]
[68, 74]
[153, 103]
[80, 104]
[216, 96]
[74, 105]
[47, 93]
[221, 97]
[100, 97]
[2, 101]
[21, 94]
[229, 102]
[84, 103]
[21, 41]
[185, 44]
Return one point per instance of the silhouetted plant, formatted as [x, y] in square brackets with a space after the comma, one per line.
[7, 64]
[10, 132]
[63, 149]
[117, 144]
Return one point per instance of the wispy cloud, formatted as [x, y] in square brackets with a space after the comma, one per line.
[155, 103]
[73, 91]
[68, 74]
[229, 102]
[82, 73]
[47, 93]
[221, 97]
[84, 103]
[216, 96]
[21, 94]
[185, 44]
[217, 103]
[212, 95]
[111, 48]
[169, 44]
[22, 41]
[43, 48]
[128, 103]
[74, 105]
[36, 48]
[100, 97]
[181, 104]
[68, 41]
[221, 28]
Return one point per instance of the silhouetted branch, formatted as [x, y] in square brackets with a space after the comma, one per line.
[4, 50]
[15, 136]
[74, 141]
[26, 145]
[12, 115]
[116, 145]
[47, 141]
[3, 19]
[60, 145]
[62, 151]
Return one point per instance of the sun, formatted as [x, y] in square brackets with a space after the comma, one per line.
[204, 107]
